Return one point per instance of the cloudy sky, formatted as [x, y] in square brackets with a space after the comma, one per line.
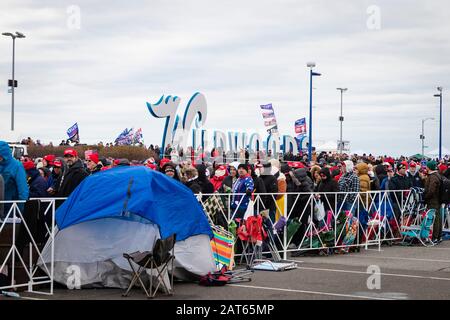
[101, 66]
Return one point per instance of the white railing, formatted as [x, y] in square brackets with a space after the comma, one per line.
[14, 259]
[379, 217]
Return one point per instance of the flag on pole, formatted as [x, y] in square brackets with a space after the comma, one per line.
[137, 138]
[300, 126]
[267, 107]
[124, 138]
[73, 133]
[269, 113]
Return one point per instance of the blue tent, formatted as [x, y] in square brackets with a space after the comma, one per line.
[136, 193]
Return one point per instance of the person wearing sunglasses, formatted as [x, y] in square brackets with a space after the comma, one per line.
[93, 163]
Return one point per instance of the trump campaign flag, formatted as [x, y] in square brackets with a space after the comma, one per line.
[73, 133]
[300, 126]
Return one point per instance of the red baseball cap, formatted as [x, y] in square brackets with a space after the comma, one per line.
[57, 163]
[93, 157]
[71, 152]
[163, 162]
[413, 164]
[50, 158]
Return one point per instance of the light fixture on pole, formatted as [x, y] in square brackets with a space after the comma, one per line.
[341, 119]
[422, 136]
[311, 65]
[439, 95]
[13, 83]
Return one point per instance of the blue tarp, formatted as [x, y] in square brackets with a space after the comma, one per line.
[154, 196]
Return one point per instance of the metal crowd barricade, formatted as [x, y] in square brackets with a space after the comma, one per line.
[13, 260]
[379, 215]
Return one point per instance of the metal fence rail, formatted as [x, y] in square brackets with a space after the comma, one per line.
[377, 216]
[14, 259]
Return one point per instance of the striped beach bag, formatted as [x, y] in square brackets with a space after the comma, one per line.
[222, 245]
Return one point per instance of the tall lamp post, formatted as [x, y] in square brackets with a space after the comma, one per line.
[13, 36]
[341, 119]
[439, 95]
[311, 65]
[422, 136]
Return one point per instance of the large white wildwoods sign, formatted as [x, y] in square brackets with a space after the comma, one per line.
[187, 130]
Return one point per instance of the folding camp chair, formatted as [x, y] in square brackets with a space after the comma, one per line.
[422, 232]
[158, 259]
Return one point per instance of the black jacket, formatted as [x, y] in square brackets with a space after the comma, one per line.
[206, 186]
[259, 184]
[416, 180]
[328, 185]
[399, 182]
[227, 182]
[194, 185]
[271, 186]
[71, 178]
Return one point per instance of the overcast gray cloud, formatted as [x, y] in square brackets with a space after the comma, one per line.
[240, 54]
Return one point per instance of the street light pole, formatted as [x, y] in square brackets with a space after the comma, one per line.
[422, 137]
[439, 95]
[341, 119]
[311, 65]
[13, 36]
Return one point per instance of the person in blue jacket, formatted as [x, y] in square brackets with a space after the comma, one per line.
[14, 176]
[37, 184]
[243, 185]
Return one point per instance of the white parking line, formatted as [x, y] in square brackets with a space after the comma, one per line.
[398, 258]
[310, 292]
[383, 274]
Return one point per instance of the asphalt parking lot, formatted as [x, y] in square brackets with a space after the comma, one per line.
[405, 273]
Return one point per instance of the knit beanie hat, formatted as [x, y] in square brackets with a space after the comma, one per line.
[432, 165]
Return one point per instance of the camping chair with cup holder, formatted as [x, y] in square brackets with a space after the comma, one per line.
[159, 259]
[421, 233]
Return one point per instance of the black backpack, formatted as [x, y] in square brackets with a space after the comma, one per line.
[444, 194]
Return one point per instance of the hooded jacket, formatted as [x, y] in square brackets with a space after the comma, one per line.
[328, 185]
[205, 184]
[38, 185]
[14, 176]
[364, 181]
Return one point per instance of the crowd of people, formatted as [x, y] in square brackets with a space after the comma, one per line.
[55, 177]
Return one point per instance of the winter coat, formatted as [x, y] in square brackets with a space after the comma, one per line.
[227, 184]
[14, 177]
[38, 185]
[194, 185]
[205, 184]
[399, 182]
[241, 186]
[71, 178]
[328, 185]
[217, 182]
[349, 182]
[281, 182]
[271, 186]
[380, 172]
[432, 190]
[364, 181]
[416, 180]
[302, 184]
[259, 184]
